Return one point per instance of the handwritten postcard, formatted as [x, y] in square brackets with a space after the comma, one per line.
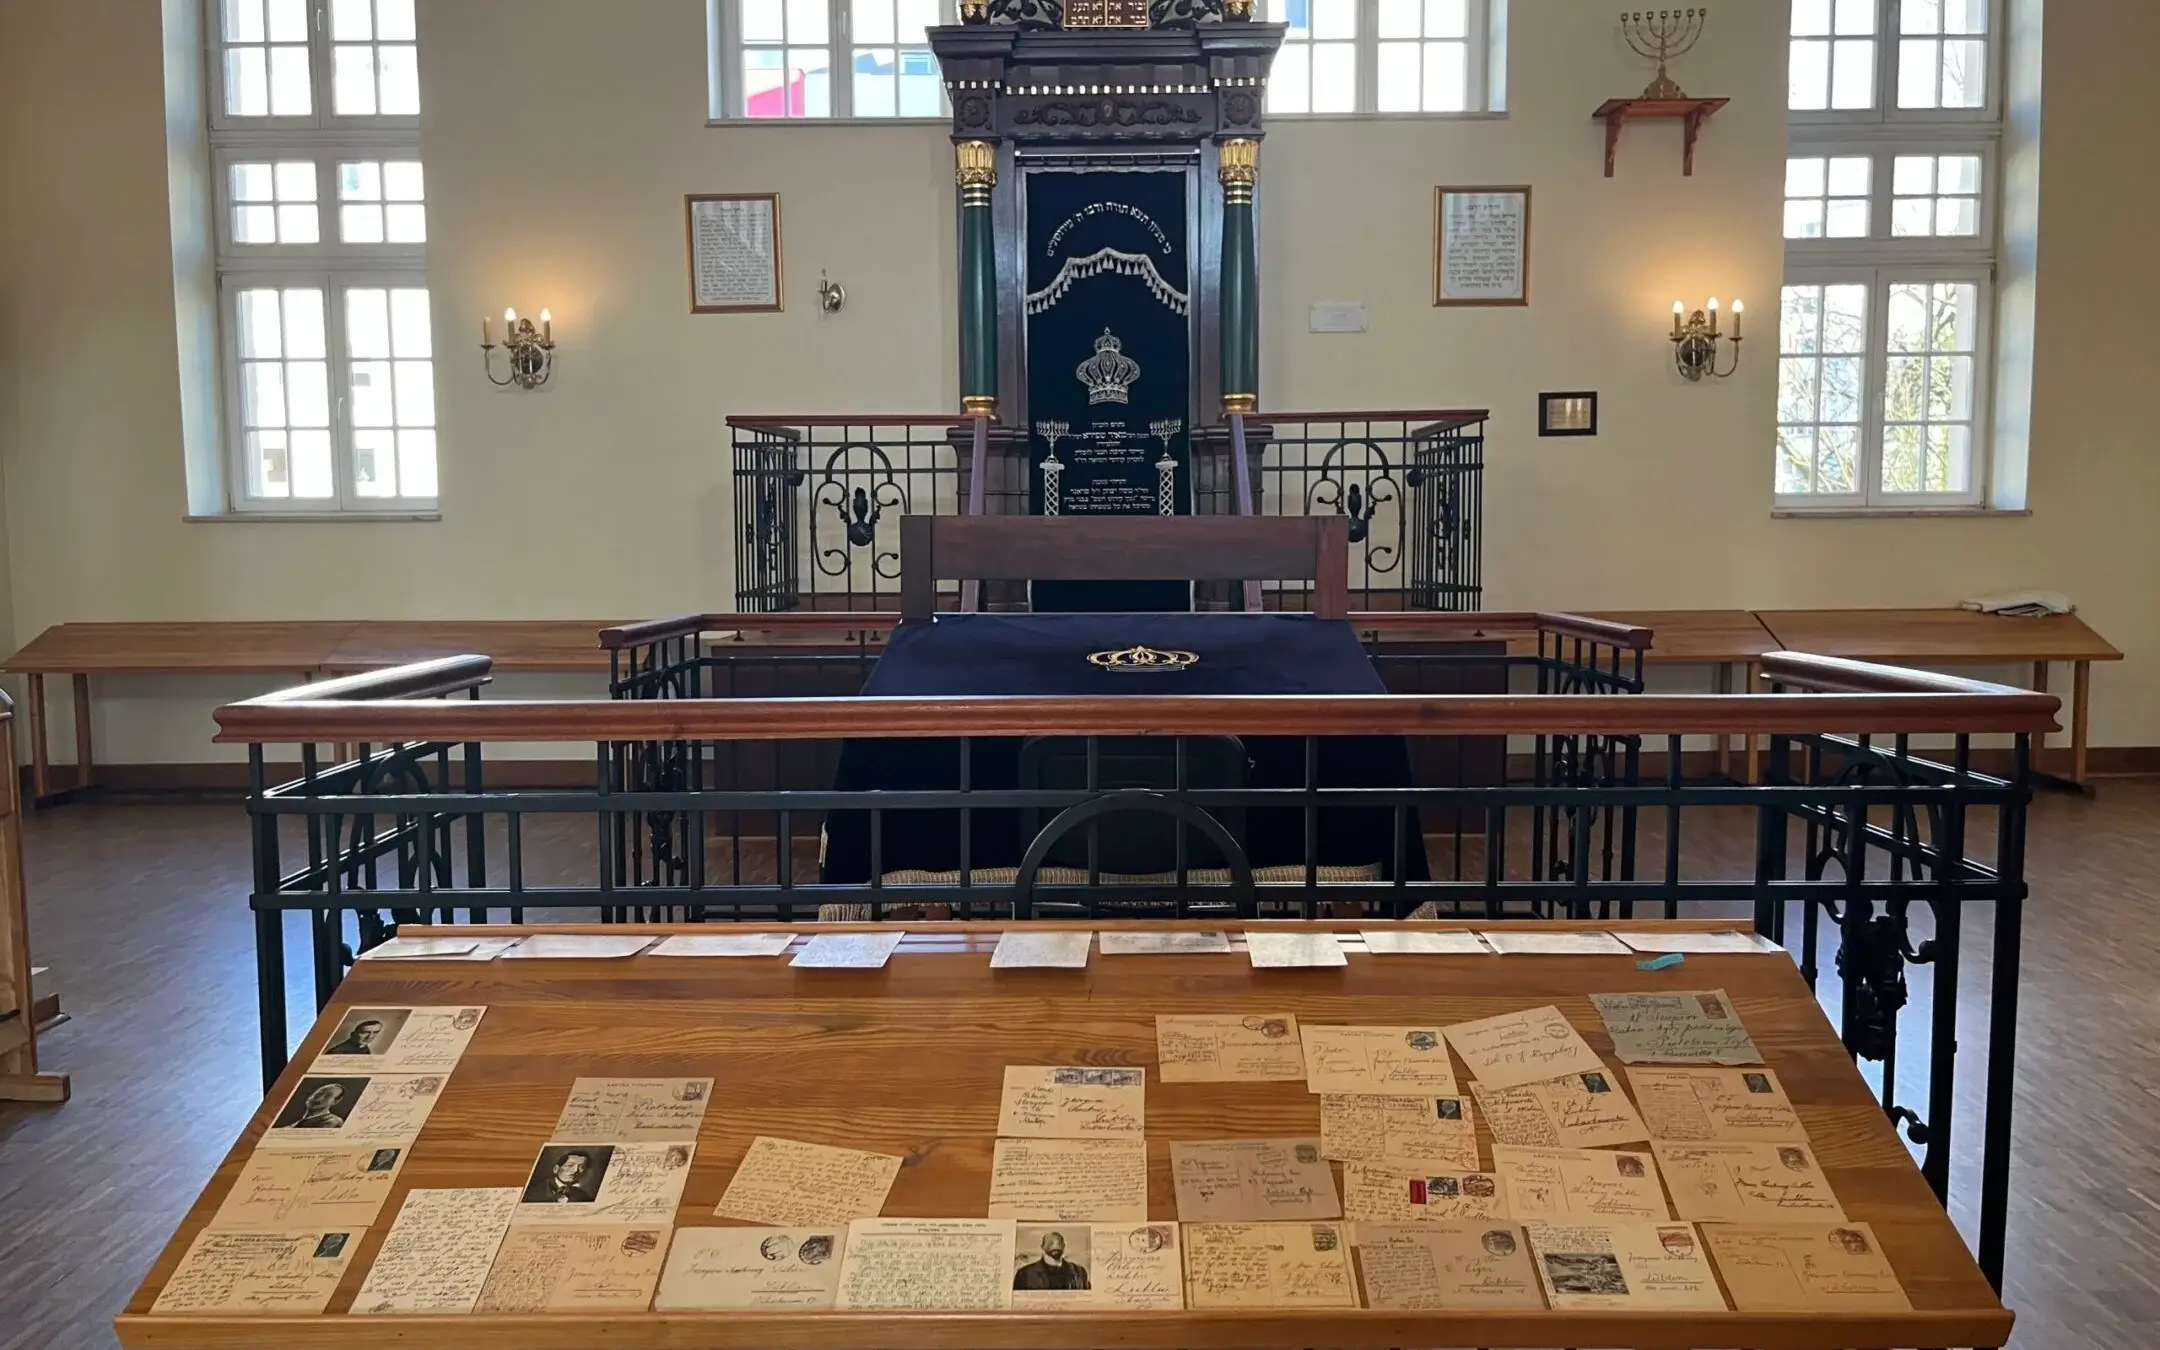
[1237, 1180]
[296, 1188]
[437, 1255]
[1624, 1265]
[1406, 1133]
[352, 1110]
[1696, 1026]
[1577, 1110]
[785, 1181]
[1708, 944]
[634, 1110]
[848, 951]
[1381, 1061]
[1747, 1105]
[1747, 1183]
[245, 1271]
[1283, 951]
[1174, 943]
[724, 944]
[606, 1184]
[1522, 1047]
[1382, 1195]
[592, 1268]
[1531, 942]
[1069, 1179]
[1387, 942]
[1097, 1265]
[399, 1040]
[1454, 1264]
[1258, 1048]
[1805, 1268]
[1018, 949]
[1579, 1183]
[1073, 1102]
[928, 1265]
[1268, 1265]
[580, 946]
[711, 1269]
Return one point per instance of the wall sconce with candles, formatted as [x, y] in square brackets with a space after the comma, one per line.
[531, 350]
[1696, 337]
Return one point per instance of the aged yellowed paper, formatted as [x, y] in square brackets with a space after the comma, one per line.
[1069, 1179]
[599, 1268]
[1382, 1061]
[1693, 943]
[1074, 1102]
[1241, 1180]
[785, 1181]
[849, 951]
[1260, 1047]
[721, 1268]
[634, 1110]
[1407, 1133]
[724, 944]
[1456, 1263]
[589, 1184]
[1174, 943]
[1522, 1047]
[1577, 1110]
[580, 946]
[1372, 1194]
[1624, 1265]
[929, 1265]
[1747, 1183]
[427, 948]
[437, 1255]
[1747, 1105]
[1282, 951]
[1388, 942]
[1268, 1265]
[1509, 942]
[1579, 1183]
[1018, 949]
[1097, 1265]
[1804, 1268]
[248, 1271]
[399, 1040]
[354, 1110]
[1696, 1026]
[297, 1188]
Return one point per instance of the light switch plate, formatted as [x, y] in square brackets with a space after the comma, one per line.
[1339, 316]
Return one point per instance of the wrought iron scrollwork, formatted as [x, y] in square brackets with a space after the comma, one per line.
[859, 506]
[1357, 481]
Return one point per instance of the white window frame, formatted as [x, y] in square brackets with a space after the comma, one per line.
[1484, 75]
[724, 52]
[322, 94]
[1888, 35]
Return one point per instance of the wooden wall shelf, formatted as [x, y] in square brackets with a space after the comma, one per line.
[1616, 113]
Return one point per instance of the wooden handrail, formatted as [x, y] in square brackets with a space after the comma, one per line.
[1377, 415]
[422, 679]
[1837, 675]
[1468, 624]
[788, 421]
[652, 630]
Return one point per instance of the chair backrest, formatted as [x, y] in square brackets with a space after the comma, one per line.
[1137, 841]
[1124, 548]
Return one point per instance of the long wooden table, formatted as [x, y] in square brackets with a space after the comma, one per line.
[909, 1059]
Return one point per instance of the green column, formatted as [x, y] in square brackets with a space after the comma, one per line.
[1238, 172]
[977, 177]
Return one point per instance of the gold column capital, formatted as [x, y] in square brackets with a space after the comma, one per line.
[1239, 168]
[979, 405]
[977, 165]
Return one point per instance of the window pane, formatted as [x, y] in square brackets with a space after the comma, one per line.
[1913, 175]
[351, 20]
[371, 404]
[1920, 16]
[1797, 389]
[367, 323]
[290, 92]
[1837, 462]
[360, 181]
[1447, 18]
[295, 181]
[409, 333]
[407, 224]
[1917, 69]
[375, 464]
[1841, 377]
[247, 82]
[1808, 84]
[1795, 459]
[1855, 17]
[761, 21]
[415, 393]
[305, 331]
[1852, 78]
[1290, 86]
[813, 69]
[254, 224]
[1401, 18]
[1810, 18]
[806, 21]
[260, 326]
[873, 21]
[269, 464]
[311, 465]
[1847, 219]
[394, 21]
[243, 21]
[402, 181]
[360, 224]
[1957, 217]
[922, 93]
[416, 463]
[1804, 177]
[353, 74]
[1334, 77]
[1850, 175]
[288, 20]
[1334, 19]
[1910, 217]
[262, 394]
[917, 17]
[309, 394]
[1800, 323]
[1845, 311]
[400, 81]
[298, 225]
[875, 83]
[1964, 74]
[764, 83]
[1447, 77]
[1908, 318]
[1965, 16]
[1399, 77]
[1958, 173]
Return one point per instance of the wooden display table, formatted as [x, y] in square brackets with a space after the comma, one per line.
[909, 1059]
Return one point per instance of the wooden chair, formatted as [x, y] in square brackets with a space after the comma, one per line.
[1125, 548]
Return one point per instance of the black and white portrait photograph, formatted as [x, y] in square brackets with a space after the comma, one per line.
[1498, 1242]
[1046, 1258]
[816, 1249]
[331, 1246]
[1595, 1082]
[1448, 1108]
[1756, 1082]
[320, 1104]
[1629, 1166]
[384, 1160]
[568, 1174]
[1585, 1273]
[367, 1031]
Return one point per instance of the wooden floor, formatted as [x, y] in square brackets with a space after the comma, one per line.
[137, 909]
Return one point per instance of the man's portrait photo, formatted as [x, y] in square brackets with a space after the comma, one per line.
[1756, 1082]
[568, 1174]
[320, 1104]
[1447, 1108]
[1054, 1266]
[1595, 1082]
[367, 1031]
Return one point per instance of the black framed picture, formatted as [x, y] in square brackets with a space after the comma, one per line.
[1567, 414]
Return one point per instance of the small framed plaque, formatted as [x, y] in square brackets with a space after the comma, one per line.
[734, 243]
[1481, 246]
[1569, 414]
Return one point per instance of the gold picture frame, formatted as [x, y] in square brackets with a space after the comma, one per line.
[718, 290]
[1505, 218]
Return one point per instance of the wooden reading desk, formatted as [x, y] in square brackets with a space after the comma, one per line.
[909, 1059]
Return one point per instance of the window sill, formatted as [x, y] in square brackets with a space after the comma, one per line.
[1893, 513]
[311, 517]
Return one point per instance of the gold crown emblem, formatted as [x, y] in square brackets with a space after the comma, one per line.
[1131, 660]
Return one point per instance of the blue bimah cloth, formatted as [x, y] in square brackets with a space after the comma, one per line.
[1047, 654]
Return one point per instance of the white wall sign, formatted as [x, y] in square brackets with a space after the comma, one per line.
[1481, 246]
[734, 253]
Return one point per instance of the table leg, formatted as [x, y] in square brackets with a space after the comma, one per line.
[85, 762]
[2040, 745]
[1754, 744]
[1724, 741]
[2081, 690]
[40, 765]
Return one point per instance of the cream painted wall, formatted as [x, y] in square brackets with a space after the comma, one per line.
[561, 135]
